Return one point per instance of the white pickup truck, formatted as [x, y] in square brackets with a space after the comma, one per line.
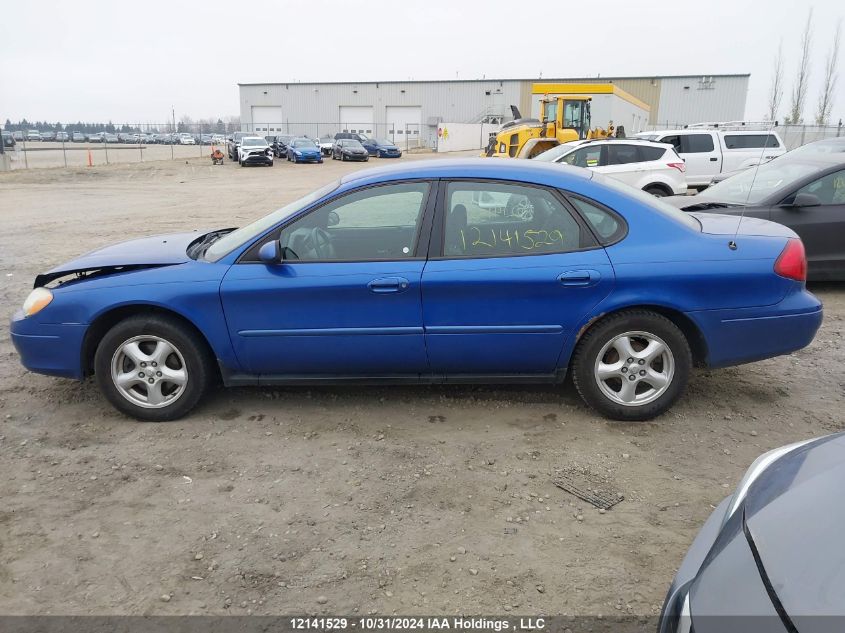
[709, 152]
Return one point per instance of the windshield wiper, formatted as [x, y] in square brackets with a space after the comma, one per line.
[703, 206]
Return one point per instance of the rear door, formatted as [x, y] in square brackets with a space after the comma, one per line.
[623, 163]
[513, 273]
[702, 156]
[822, 227]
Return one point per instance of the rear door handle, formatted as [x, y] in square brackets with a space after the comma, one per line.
[384, 285]
[713, 159]
[579, 277]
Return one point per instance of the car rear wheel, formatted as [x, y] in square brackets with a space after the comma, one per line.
[658, 192]
[153, 368]
[632, 365]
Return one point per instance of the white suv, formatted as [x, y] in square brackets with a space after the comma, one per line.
[653, 167]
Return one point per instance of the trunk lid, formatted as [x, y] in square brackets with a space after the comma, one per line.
[721, 224]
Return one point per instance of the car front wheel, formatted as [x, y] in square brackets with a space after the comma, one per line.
[153, 368]
[632, 365]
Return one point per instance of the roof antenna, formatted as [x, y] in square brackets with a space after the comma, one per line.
[732, 244]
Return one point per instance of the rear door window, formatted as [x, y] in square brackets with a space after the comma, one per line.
[501, 219]
[697, 143]
[750, 141]
[622, 154]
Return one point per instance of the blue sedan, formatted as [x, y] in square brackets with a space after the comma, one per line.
[381, 148]
[304, 150]
[450, 271]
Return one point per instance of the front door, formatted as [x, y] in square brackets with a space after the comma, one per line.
[821, 227]
[516, 273]
[346, 299]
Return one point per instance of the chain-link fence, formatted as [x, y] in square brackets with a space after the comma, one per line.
[134, 143]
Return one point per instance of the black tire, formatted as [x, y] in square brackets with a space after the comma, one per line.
[587, 351]
[198, 363]
[657, 192]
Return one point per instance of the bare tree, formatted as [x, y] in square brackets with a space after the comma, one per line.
[776, 90]
[802, 79]
[831, 74]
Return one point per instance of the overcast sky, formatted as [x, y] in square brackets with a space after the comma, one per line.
[97, 60]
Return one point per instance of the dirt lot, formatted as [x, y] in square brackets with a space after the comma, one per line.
[408, 500]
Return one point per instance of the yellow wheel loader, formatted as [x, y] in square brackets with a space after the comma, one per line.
[565, 118]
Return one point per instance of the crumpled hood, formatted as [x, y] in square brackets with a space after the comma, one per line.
[795, 515]
[160, 250]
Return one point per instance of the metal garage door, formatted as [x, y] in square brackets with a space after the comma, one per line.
[357, 119]
[267, 120]
[404, 124]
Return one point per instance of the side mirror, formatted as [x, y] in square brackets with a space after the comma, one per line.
[805, 199]
[333, 219]
[270, 253]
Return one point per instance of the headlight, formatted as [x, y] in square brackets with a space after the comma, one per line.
[756, 469]
[37, 300]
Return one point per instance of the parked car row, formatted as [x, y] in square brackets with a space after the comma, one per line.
[181, 138]
[302, 149]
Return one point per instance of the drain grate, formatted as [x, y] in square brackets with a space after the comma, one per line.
[589, 487]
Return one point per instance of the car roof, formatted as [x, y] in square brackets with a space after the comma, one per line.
[494, 168]
[821, 159]
[631, 141]
[705, 130]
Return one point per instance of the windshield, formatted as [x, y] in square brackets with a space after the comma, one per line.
[381, 141]
[350, 143]
[241, 236]
[304, 142]
[253, 142]
[551, 155]
[649, 200]
[754, 184]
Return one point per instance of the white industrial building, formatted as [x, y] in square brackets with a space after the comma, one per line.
[408, 112]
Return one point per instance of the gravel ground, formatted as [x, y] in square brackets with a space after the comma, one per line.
[348, 500]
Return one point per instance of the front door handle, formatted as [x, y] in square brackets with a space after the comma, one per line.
[579, 278]
[384, 285]
[713, 159]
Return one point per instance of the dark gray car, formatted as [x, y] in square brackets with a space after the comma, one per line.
[805, 192]
[770, 557]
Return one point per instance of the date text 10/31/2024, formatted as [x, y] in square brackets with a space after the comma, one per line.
[406, 623]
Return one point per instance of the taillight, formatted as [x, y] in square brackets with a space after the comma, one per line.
[681, 167]
[792, 262]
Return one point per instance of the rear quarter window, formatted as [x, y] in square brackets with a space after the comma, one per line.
[651, 153]
[607, 225]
